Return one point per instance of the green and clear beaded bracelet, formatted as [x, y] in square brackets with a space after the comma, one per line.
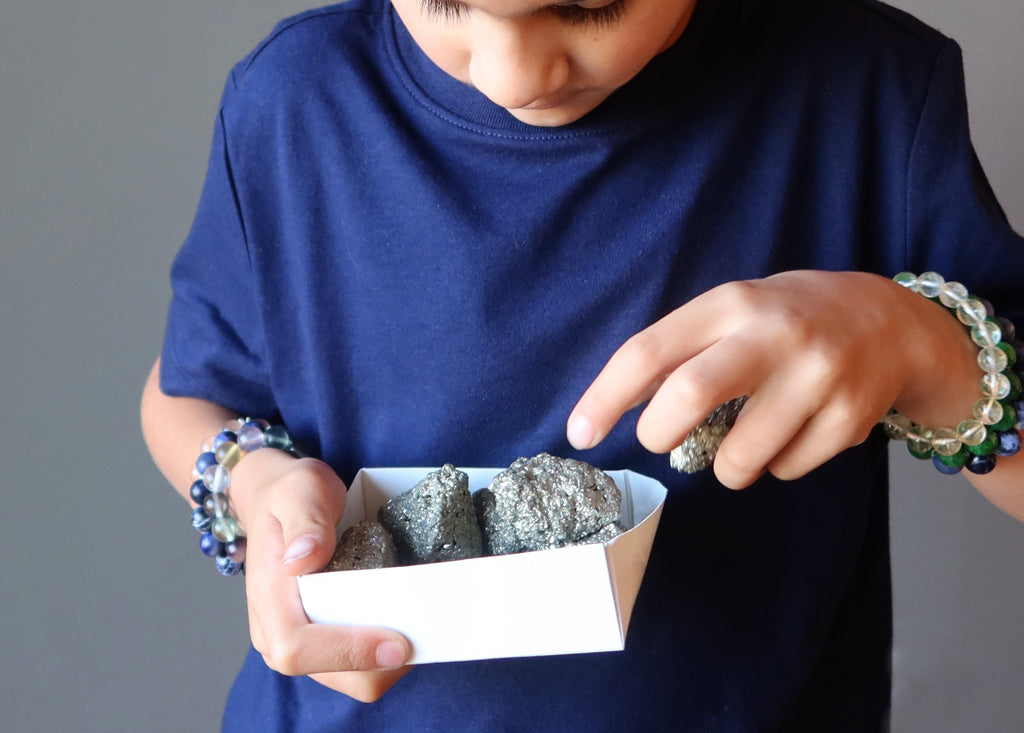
[993, 430]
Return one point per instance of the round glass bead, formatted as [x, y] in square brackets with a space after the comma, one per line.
[896, 426]
[1009, 443]
[216, 505]
[200, 519]
[217, 478]
[946, 442]
[1010, 352]
[228, 454]
[906, 279]
[945, 468]
[971, 311]
[204, 461]
[224, 436]
[207, 445]
[1008, 420]
[920, 454]
[952, 293]
[277, 437]
[929, 284]
[988, 412]
[986, 447]
[236, 550]
[227, 566]
[1007, 327]
[981, 464]
[919, 442]
[995, 386]
[992, 359]
[233, 424]
[210, 545]
[971, 432]
[224, 529]
[986, 333]
[250, 437]
[957, 460]
[198, 492]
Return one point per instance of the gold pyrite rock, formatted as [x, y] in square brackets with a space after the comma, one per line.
[700, 447]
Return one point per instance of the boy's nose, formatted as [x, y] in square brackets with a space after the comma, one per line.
[514, 70]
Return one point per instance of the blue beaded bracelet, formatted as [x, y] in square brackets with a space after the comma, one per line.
[994, 429]
[222, 535]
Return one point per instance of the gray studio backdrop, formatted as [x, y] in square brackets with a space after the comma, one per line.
[109, 621]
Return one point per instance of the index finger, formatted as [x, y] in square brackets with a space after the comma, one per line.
[637, 369]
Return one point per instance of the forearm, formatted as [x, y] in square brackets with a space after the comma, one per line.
[174, 428]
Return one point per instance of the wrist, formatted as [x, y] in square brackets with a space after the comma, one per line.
[942, 382]
[991, 428]
[214, 516]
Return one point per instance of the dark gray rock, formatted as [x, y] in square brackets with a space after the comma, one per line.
[435, 520]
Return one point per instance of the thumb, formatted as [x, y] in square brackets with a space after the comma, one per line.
[307, 513]
[308, 551]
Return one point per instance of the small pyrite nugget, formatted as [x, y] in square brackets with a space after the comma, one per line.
[700, 447]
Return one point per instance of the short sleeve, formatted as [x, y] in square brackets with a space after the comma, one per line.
[954, 222]
[214, 347]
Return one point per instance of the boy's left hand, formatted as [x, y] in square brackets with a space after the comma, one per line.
[822, 355]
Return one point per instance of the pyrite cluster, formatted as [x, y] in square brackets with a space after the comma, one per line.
[535, 504]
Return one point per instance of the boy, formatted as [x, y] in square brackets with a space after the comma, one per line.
[464, 232]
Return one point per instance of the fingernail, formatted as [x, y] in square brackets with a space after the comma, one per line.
[580, 432]
[299, 548]
[391, 654]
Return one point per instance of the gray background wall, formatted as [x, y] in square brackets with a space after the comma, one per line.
[108, 620]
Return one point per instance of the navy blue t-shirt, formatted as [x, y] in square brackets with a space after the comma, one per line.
[407, 275]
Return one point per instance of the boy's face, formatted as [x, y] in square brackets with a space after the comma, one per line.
[548, 62]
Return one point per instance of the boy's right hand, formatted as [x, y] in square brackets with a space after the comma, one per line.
[289, 508]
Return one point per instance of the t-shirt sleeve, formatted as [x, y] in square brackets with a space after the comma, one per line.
[955, 224]
[214, 346]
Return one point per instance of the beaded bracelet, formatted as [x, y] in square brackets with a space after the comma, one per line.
[994, 429]
[223, 536]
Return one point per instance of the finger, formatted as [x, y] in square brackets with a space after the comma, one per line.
[719, 373]
[634, 372]
[840, 425]
[761, 431]
[362, 686]
[307, 506]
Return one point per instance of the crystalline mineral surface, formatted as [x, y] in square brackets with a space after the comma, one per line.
[435, 520]
[699, 448]
[543, 502]
[363, 546]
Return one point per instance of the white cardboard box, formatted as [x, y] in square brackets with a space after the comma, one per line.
[562, 601]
